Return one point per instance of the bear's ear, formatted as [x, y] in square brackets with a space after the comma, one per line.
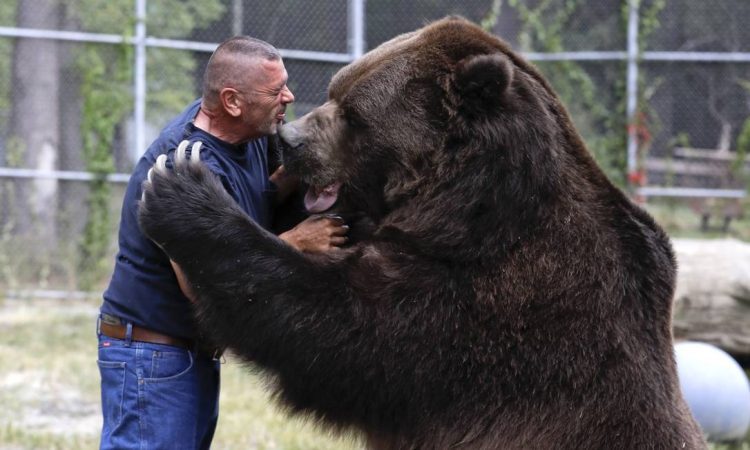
[482, 80]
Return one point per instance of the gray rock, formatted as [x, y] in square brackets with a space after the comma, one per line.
[712, 299]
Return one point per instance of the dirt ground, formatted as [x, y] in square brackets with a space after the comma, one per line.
[46, 375]
[49, 388]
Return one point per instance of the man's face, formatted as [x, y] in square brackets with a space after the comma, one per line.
[266, 98]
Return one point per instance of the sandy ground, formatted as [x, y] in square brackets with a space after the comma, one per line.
[50, 406]
[44, 397]
[49, 388]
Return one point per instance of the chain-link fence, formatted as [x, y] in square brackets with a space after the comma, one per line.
[658, 89]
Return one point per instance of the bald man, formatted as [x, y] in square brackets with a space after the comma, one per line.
[159, 379]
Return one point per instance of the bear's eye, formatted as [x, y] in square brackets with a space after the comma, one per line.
[353, 120]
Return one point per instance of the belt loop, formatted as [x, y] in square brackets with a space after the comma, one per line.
[129, 334]
[99, 325]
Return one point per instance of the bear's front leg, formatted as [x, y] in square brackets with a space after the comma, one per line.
[243, 278]
[296, 315]
[187, 212]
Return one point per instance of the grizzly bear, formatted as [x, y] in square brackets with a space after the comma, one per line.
[497, 292]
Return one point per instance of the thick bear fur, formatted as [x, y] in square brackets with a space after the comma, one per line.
[498, 292]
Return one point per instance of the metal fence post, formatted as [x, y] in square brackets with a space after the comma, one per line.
[632, 87]
[140, 80]
[237, 17]
[356, 28]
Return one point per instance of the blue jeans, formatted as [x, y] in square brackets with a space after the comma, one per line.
[156, 396]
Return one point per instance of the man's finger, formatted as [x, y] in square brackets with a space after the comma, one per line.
[331, 218]
[340, 230]
[338, 240]
[335, 217]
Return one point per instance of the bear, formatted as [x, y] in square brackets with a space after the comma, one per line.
[497, 290]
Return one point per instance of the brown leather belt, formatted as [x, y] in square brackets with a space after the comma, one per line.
[142, 335]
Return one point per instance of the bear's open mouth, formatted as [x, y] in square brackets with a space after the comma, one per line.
[319, 199]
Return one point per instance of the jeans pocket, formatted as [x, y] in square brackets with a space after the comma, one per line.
[170, 364]
[113, 391]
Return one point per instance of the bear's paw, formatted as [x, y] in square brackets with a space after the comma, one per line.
[178, 191]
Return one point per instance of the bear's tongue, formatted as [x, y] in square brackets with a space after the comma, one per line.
[320, 199]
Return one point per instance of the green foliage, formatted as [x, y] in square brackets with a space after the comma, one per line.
[598, 114]
[170, 82]
[7, 13]
[648, 21]
[102, 16]
[105, 72]
[490, 20]
[176, 19]
[598, 109]
[646, 122]
[8, 241]
[544, 22]
[170, 74]
[10, 247]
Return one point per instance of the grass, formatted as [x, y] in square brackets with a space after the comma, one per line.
[49, 388]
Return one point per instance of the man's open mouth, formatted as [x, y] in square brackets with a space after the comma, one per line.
[319, 199]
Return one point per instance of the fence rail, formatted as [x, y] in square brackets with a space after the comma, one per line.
[661, 109]
[355, 35]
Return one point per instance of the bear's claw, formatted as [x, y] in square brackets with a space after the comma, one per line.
[160, 166]
[181, 153]
[195, 153]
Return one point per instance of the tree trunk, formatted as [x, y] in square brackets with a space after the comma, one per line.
[34, 118]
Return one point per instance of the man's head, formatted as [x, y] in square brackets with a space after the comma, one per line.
[245, 83]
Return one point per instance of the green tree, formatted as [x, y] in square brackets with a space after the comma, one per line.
[585, 89]
[594, 92]
[106, 74]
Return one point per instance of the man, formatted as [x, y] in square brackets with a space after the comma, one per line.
[159, 379]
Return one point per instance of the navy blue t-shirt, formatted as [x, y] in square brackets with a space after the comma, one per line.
[143, 288]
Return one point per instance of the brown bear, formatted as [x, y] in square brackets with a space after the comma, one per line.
[498, 291]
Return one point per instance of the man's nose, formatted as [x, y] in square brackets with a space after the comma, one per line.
[287, 96]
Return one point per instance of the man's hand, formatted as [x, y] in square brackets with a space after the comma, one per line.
[317, 234]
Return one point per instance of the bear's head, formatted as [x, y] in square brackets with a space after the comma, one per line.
[438, 136]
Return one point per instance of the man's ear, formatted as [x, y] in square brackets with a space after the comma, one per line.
[481, 81]
[230, 101]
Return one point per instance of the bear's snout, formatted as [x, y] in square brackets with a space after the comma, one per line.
[291, 135]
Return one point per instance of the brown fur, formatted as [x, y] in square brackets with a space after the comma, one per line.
[499, 292]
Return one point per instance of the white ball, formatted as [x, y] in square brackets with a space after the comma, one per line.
[716, 388]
